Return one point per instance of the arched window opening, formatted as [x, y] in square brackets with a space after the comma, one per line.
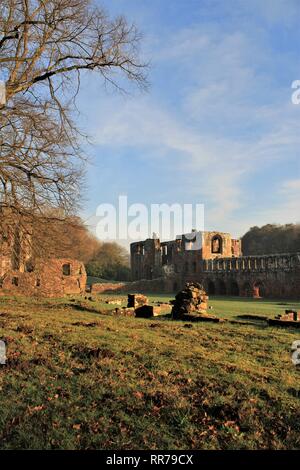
[66, 269]
[216, 244]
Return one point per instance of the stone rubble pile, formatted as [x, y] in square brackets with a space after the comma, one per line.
[137, 306]
[190, 301]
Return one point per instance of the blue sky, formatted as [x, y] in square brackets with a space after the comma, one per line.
[217, 125]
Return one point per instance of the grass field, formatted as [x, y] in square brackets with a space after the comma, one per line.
[78, 379]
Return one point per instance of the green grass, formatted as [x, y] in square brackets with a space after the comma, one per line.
[81, 380]
[231, 306]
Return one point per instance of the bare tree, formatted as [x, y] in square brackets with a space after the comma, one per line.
[45, 46]
[70, 238]
[38, 166]
[44, 40]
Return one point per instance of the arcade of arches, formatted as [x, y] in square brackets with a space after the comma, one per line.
[233, 288]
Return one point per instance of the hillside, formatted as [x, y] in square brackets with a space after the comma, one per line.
[81, 380]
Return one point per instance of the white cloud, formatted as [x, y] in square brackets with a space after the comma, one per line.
[231, 121]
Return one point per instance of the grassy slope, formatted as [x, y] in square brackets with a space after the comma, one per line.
[84, 380]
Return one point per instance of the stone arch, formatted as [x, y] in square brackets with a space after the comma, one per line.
[259, 289]
[217, 244]
[234, 288]
[211, 288]
[247, 290]
[222, 290]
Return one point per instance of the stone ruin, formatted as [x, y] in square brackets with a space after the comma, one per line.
[137, 306]
[290, 315]
[136, 300]
[290, 318]
[214, 259]
[192, 300]
[46, 278]
[190, 304]
[22, 273]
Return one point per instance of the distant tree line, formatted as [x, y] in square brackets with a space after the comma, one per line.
[271, 238]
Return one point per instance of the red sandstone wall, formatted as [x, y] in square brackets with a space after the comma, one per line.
[150, 257]
[142, 286]
[236, 246]
[284, 284]
[100, 288]
[228, 272]
[206, 245]
[47, 280]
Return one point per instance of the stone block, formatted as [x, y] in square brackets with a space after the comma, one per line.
[147, 311]
[136, 300]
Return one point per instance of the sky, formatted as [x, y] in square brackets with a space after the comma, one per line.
[217, 125]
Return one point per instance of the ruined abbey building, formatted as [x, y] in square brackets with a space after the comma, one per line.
[21, 274]
[215, 260]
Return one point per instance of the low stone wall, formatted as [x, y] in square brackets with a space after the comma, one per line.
[160, 285]
[106, 288]
[143, 286]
